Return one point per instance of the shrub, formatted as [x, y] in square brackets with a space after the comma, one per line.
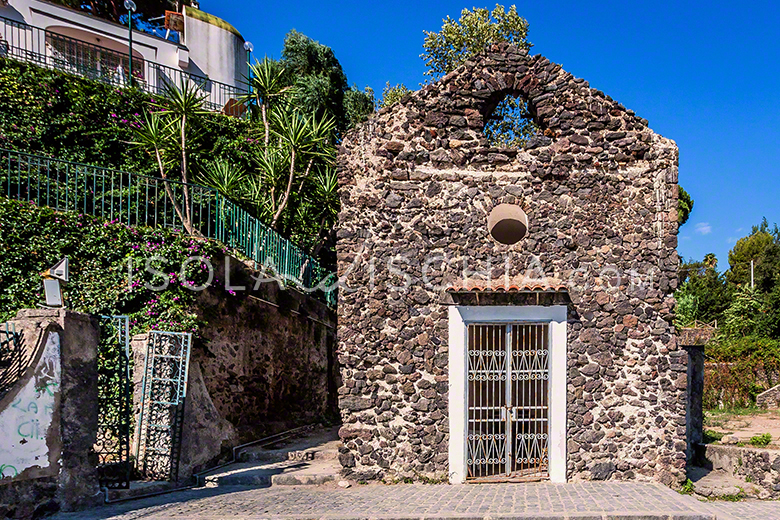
[101, 255]
[61, 115]
[711, 436]
[743, 368]
[761, 441]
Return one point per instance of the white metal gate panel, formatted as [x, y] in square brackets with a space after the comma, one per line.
[508, 401]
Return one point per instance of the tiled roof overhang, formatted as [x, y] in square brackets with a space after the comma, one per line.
[525, 285]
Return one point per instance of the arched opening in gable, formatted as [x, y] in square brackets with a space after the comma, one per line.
[508, 121]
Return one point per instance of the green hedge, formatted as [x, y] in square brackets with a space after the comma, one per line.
[742, 369]
[53, 113]
[32, 239]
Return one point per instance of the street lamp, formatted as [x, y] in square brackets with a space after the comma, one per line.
[130, 6]
[248, 47]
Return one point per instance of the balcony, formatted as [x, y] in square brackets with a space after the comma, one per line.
[54, 50]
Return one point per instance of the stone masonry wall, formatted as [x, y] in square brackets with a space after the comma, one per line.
[600, 190]
[769, 398]
[761, 467]
[263, 362]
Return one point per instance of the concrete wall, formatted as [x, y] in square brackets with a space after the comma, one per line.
[48, 420]
[216, 47]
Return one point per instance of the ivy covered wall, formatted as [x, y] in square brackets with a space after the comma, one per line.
[61, 115]
[108, 272]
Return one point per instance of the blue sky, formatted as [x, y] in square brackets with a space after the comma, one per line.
[706, 74]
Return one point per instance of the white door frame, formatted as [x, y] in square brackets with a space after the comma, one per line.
[459, 319]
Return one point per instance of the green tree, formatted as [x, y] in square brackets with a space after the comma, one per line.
[320, 85]
[168, 134]
[393, 94]
[744, 317]
[702, 294]
[358, 105]
[472, 34]
[155, 137]
[762, 246]
[304, 139]
[684, 206]
[304, 105]
[771, 318]
[510, 124]
[182, 105]
[267, 87]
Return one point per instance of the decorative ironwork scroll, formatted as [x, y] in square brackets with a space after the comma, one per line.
[114, 409]
[162, 404]
[508, 401]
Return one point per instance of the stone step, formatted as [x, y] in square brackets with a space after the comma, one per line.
[280, 456]
[141, 487]
[310, 472]
[319, 445]
[719, 484]
[327, 454]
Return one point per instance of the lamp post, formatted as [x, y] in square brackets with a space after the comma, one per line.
[130, 6]
[248, 47]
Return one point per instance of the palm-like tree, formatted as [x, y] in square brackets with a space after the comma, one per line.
[228, 179]
[155, 136]
[305, 140]
[267, 86]
[180, 106]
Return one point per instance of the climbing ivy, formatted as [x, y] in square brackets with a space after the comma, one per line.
[61, 115]
[108, 272]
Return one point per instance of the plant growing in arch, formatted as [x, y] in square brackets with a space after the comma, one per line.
[510, 124]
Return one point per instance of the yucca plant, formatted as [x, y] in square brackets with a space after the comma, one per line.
[305, 140]
[228, 179]
[267, 86]
[179, 107]
[156, 136]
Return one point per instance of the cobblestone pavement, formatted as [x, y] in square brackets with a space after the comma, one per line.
[586, 500]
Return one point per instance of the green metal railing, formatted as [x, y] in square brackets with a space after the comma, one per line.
[48, 49]
[141, 200]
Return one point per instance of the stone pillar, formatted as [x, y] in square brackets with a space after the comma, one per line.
[78, 482]
[69, 364]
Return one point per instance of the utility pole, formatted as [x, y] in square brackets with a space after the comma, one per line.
[752, 280]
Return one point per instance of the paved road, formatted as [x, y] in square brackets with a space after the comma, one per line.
[586, 500]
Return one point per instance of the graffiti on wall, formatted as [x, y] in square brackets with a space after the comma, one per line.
[25, 422]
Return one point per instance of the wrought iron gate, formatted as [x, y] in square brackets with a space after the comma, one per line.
[13, 361]
[162, 404]
[508, 401]
[114, 411]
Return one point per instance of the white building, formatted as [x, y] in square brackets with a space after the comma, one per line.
[210, 52]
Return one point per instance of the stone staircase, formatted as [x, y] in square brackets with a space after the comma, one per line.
[309, 460]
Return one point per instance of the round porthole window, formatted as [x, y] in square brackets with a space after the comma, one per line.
[507, 224]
